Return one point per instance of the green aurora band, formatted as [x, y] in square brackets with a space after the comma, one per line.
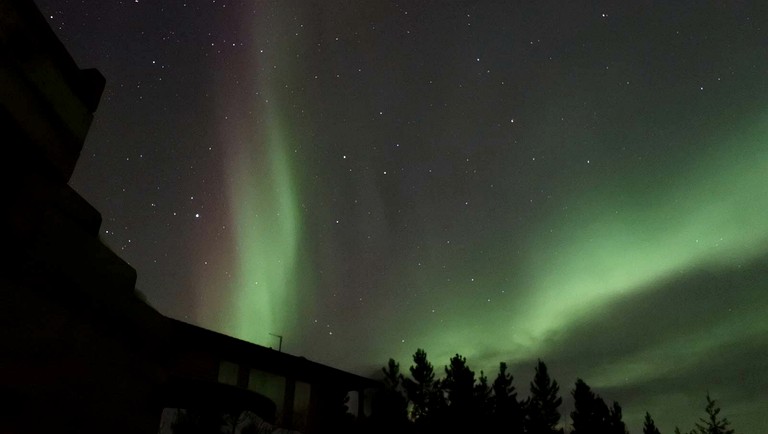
[266, 227]
[630, 235]
[261, 296]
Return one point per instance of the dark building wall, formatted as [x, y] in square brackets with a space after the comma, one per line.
[308, 396]
[66, 371]
[76, 355]
[74, 347]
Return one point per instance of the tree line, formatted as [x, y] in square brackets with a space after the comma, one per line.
[461, 401]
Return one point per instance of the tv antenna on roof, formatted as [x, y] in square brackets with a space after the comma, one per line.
[280, 345]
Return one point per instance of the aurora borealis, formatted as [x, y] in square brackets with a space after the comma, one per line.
[584, 183]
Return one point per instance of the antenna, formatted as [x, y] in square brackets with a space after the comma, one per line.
[280, 345]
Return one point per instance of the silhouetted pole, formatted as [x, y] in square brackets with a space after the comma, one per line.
[280, 345]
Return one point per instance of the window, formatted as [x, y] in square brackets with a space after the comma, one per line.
[228, 372]
[270, 385]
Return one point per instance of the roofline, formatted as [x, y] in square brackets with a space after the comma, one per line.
[266, 359]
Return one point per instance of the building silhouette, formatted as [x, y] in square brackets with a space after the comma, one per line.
[80, 351]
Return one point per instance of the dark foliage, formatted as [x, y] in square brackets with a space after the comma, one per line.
[713, 424]
[463, 410]
[649, 426]
[465, 403]
[591, 415]
[390, 408]
[506, 411]
[542, 415]
[423, 392]
[615, 424]
[459, 385]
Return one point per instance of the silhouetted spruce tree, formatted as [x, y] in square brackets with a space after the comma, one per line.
[481, 398]
[422, 390]
[615, 423]
[333, 411]
[590, 414]
[506, 412]
[649, 426]
[713, 424]
[390, 408]
[459, 385]
[541, 412]
[392, 377]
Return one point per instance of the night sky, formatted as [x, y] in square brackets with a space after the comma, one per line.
[584, 182]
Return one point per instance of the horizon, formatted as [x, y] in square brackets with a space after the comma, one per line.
[578, 183]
